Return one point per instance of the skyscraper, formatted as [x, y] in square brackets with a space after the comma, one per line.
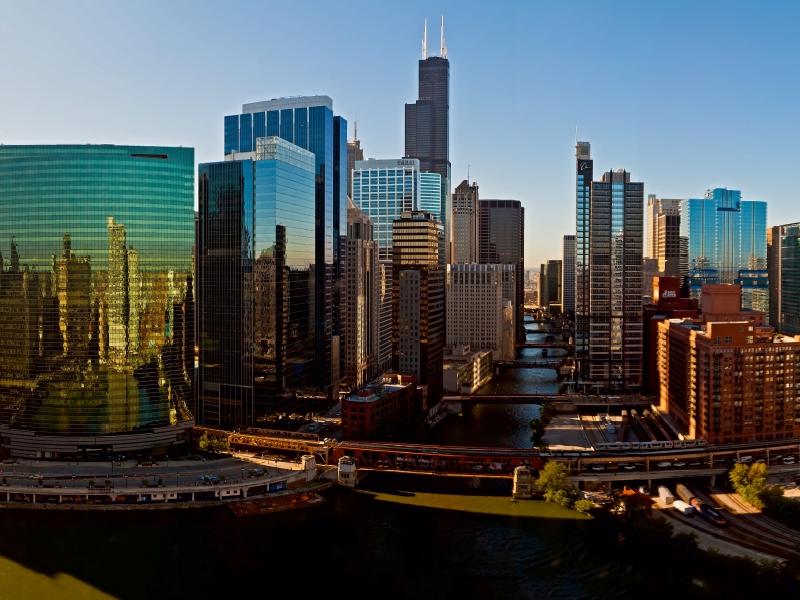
[784, 277]
[354, 153]
[99, 251]
[427, 125]
[418, 322]
[465, 224]
[656, 207]
[668, 251]
[568, 274]
[723, 235]
[608, 298]
[501, 240]
[309, 123]
[363, 299]
[255, 280]
[480, 309]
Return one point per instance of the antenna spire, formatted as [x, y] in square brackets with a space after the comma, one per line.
[425, 42]
[355, 131]
[443, 52]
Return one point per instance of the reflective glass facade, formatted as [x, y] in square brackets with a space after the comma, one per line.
[96, 292]
[430, 195]
[256, 281]
[723, 235]
[384, 190]
[309, 122]
[583, 186]
[784, 276]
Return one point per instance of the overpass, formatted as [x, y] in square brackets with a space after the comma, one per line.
[521, 364]
[564, 345]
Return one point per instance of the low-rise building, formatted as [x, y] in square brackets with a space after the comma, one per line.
[379, 410]
[466, 371]
[729, 378]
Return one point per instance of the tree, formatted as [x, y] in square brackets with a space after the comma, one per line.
[584, 506]
[553, 477]
[751, 482]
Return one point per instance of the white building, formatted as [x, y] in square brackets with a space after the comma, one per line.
[480, 308]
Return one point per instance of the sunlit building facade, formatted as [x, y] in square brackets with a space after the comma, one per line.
[97, 299]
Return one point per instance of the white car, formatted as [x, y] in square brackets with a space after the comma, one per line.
[680, 463]
[664, 463]
[598, 468]
[788, 460]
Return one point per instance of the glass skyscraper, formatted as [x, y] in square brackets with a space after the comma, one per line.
[256, 272]
[430, 195]
[724, 235]
[384, 190]
[96, 299]
[309, 122]
[784, 278]
[608, 277]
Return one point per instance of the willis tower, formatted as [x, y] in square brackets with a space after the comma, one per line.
[428, 122]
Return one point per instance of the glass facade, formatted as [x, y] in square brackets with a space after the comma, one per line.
[430, 195]
[309, 123]
[789, 279]
[96, 293]
[723, 235]
[384, 190]
[583, 186]
[256, 281]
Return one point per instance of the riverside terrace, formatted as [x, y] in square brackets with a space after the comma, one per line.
[222, 479]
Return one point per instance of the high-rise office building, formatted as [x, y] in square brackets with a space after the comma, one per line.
[465, 224]
[723, 235]
[354, 153]
[554, 270]
[427, 127]
[418, 323]
[657, 207]
[256, 277]
[568, 275]
[608, 299]
[668, 245]
[783, 263]
[480, 308]
[384, 190]
[95, 275]
[309, 123]
[433, 198]
[363, 299]
[501, 240]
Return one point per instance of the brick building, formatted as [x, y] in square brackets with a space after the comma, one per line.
[729, 378]
[379, 410]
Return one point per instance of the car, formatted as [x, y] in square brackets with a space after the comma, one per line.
[664, 464]
[788, 460]
[761, 460]
[695, 463]
[644, 490]
[680, 463]
[312, 427]
[338, 414]
[598, 468]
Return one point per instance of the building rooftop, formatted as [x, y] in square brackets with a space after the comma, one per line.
[387, 384]
[287, 102]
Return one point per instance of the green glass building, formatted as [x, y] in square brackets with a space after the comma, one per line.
[96, 299]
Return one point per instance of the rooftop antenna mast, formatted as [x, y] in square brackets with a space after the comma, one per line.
[425, 42]
[443, 52]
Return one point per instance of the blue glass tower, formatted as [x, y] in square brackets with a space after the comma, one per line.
[256, 285]
[309, 122]
[725, 235]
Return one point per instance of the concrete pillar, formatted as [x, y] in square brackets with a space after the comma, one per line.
[650, 484]
[646, 464]
[192, 496]
[34, 497]
[60, 496]
[767, 456]
[713, 481]
[244, 492]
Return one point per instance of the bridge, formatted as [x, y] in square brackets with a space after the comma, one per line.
[458, 461]
[535, 364]
[256, 439]
[550, 330]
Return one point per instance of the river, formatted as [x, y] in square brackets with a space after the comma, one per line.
[396, 537]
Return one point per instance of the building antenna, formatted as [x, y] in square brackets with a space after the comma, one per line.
[425, 42]
[444, 45]
[467, 174]
[355, 130]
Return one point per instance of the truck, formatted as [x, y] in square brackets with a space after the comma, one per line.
[610, 428]
[683, 507]
[665, 495]
[712, 514]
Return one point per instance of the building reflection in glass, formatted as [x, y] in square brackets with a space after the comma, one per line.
[96, 289]
[256, 259]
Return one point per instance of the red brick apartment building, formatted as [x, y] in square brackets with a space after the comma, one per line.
[380, 409]
[728, 377]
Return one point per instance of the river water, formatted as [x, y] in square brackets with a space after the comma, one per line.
[397, 537]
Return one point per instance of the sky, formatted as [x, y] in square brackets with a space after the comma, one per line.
[687, 96]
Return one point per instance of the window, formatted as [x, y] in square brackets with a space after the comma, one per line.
[728, 339]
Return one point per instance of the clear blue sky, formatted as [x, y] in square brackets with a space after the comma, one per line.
[685, 95]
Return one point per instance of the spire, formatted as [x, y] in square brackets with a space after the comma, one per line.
[425, 42]
[355, 131]
[443, 52]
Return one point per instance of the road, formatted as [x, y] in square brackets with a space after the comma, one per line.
[185, 472]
